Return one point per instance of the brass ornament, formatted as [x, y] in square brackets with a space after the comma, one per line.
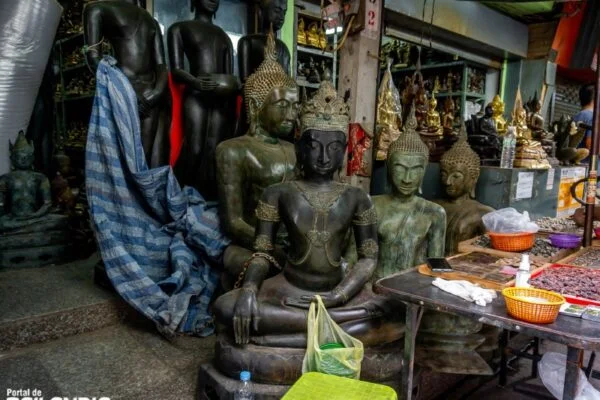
[321, 201]
[263, 243]
[367, 217]
[267, 212]
[325, 111]
[369, 248]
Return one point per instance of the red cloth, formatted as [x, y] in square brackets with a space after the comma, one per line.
[176, 133]
[567, 32]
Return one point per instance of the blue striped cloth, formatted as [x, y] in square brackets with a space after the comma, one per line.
[157, 240]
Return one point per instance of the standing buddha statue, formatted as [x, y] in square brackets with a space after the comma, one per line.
[498, 115]
[389, 114]
[247, 164]
[459, 173]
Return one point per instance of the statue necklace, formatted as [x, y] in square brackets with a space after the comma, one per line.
[321, 203]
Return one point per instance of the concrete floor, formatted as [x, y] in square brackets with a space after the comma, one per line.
[115, 354]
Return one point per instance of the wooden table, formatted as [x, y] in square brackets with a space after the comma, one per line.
[419, 294]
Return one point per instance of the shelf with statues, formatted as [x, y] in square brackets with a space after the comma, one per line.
[315, 51]
[460, 93]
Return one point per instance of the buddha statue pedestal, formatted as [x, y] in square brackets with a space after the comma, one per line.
[29, 235]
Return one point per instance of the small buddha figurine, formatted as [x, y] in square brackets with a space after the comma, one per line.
[421, 109]
[459, 173]
[434, 126]
[437, 87]
[313, 37]
[498, 115]
[529, 152]
[322, 39]
[265, 316]
[301, 34]
[448, 117]
[247, 164]
[389, 114]
[535, 123]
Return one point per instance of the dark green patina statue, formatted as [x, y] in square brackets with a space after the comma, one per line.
[319, 214]
[459, 173]
[25, 219]
[246, 165]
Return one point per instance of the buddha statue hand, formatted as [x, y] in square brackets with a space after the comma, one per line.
[330, 299]
[220, 84]
[245, 315]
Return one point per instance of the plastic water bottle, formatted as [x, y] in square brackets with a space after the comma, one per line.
[245, 390]
[508, 148]
[524, 272]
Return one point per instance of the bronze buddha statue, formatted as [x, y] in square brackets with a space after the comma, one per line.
[270, 315]
[529, 152]
[459, 171]
[389, 114]
[247, 164]
[209, 99]
[535, 123]
[483, 137]
[498, 115]
[136, 40]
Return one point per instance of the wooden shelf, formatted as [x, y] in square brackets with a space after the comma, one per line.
[315, 51]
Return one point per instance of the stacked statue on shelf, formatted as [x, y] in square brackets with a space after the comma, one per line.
[209, 100]
[568, 137]
[459, 172]
[411, 229]
[251, 48]
[247, 164]
[483, 136]
[389, 114]
[266, 319]
[136, 40]
[30, 234]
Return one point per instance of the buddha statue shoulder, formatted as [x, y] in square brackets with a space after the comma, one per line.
[498, 115]
[248, 164]
[319, 214]
[389, 114]
[459, 174]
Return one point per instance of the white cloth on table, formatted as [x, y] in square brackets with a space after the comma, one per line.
[467, 291]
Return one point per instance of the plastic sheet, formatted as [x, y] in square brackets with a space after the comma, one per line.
[509, 220]
[27, 30]
[552, 373]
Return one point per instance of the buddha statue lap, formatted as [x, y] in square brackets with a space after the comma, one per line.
[29, 234]
[568, 137]
[389, 114]
[498, 115]
[210, 95]
[248, 164]
[136, 40]
[459, 173]
[483, 137]
[529, 152]
[266, 318]
[411, 229]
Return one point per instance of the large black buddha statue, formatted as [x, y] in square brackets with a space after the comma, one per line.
[210, 94]
[137, 43]
[268, 316]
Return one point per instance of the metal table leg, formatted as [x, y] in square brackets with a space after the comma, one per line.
[574, 361]
[414, 312]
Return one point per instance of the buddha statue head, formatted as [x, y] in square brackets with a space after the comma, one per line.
[323, 127]
[432, 104]
[209, 7]
[497, 106]
[407, 160]
[272, 13]
[21, 153]
[460, 169]
[271, 97]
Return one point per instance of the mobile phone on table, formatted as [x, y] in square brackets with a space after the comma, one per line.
[439, 265]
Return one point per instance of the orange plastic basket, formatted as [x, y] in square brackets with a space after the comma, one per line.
[521, 304]
[512, 242]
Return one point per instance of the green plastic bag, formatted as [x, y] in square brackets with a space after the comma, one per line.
[329, 349]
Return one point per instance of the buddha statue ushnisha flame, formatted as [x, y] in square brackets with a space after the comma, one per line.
[389, 114]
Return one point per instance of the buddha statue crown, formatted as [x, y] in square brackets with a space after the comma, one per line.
[325, 111]
[21, 144]
[462, 154]
[270, 74]
[409, 141]
[497, 105]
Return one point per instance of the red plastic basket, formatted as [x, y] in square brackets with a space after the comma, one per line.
[512, 242]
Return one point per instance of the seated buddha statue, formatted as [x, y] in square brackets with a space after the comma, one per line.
[448, 117]
[535, 123]
[431, 131]
[25, 219]
[421, 108]
[247, 164]
[498, 115]
[268, 317]
[389, 114]
[459, 173]
[411, 229]
[434, 123]
[483, 137]
[529, 152]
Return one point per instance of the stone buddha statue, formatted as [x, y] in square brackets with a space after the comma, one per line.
[209, 100]
[459, 173]
[483, 137]
[498, 115]
[26, 224]
[247, 164]
[266, 318]
[136, 40]
[389, 114]
[529, 152]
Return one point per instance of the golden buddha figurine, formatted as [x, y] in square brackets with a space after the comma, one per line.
[421, 108]
[322, 39]
[498, 115]
[434, 123]
[301, 35]
[389, 114]
[529, 152]
[448, 117]
[312, 35]
[437, 87]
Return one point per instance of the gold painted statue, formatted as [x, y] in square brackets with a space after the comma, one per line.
[389, 114]
[313, 36]
[434, 123]
[448, 117]
[498, 115]
[459, 174]
[301, 35]
[529, 152]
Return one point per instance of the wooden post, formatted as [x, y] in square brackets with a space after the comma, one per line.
[358, 74]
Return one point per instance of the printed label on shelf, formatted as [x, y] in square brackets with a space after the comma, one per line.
[550, 180]
[524, 185]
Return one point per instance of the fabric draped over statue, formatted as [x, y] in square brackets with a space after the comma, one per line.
[157, 241]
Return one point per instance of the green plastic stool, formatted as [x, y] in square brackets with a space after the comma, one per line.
[315, 385]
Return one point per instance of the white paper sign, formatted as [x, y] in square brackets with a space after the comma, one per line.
[525, 185]
[550, 181]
